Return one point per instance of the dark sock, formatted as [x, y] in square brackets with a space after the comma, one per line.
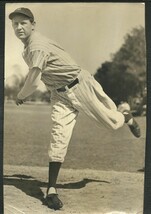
[54, 168]
[127, 116]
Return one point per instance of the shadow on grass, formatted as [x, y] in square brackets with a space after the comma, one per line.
[32, 187]
[141, 170]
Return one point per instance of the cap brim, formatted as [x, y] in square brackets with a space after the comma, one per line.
[11, 15]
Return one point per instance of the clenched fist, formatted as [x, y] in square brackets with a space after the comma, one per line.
[19, 102]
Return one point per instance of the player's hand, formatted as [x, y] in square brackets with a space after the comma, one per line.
[19, 102]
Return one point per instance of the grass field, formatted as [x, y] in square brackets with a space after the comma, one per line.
[27, 133]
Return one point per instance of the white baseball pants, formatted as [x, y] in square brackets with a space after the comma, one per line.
[87, 96]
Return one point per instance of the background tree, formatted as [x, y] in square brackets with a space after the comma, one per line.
[14, 83]
[124, 77]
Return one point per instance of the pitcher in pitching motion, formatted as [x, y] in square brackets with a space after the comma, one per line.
[73, 89]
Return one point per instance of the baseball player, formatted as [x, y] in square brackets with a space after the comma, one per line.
[72, 90]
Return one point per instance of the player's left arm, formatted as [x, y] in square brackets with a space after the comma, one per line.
[30, 85]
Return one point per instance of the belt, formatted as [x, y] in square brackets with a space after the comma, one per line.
[63, 89]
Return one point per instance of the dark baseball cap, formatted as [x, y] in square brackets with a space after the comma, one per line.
[23, 11]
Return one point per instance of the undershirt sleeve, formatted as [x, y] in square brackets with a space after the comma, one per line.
[31, 83]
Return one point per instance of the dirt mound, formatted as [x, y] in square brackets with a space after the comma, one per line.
[82, 191]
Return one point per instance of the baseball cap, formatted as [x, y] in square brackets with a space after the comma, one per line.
[23, 11]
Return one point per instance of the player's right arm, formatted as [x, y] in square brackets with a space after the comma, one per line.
[37, 56]
[30, 85]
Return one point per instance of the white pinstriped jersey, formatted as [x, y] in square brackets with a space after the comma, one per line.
[58, 68]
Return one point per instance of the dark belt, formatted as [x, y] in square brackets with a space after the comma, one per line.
[63, 89]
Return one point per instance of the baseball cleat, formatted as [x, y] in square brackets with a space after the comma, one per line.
[54, 202]
[135, 129]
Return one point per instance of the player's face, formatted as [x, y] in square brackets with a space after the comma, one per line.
[22, 26]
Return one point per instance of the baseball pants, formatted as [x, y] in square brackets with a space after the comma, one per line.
[86, 96]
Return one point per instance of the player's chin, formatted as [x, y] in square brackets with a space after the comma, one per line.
[21, 36]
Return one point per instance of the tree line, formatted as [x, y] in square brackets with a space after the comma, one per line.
[124, 77]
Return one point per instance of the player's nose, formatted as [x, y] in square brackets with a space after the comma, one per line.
[19, 26]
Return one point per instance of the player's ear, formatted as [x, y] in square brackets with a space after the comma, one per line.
[33, 25]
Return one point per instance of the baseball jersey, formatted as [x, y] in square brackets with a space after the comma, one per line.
[57, 67]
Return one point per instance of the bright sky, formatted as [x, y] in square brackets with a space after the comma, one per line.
[90, 32]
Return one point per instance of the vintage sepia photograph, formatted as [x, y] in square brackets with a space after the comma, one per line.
[74, 108]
